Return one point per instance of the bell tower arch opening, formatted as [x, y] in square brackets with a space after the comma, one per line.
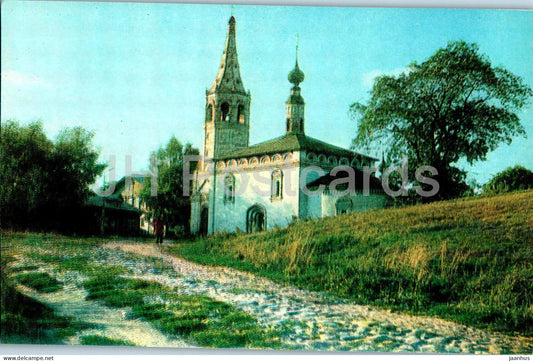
[224, 112]
[240, 114]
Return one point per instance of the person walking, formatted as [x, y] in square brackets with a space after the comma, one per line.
[159, 229]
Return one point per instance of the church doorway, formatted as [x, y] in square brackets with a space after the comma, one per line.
[204, 219]
[256, 219]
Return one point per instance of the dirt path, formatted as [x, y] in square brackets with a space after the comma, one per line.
[306, 320]
[311, 320]
[105, 321]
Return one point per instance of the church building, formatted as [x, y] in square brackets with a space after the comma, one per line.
[246, 188]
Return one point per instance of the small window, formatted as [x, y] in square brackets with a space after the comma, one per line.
[229, 189]
[276, 188]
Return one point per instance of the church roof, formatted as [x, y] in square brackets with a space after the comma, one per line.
[112, 202]
[356, 182]
[290, 142]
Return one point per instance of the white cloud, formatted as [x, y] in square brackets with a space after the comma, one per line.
[368, 77]
[23, 80]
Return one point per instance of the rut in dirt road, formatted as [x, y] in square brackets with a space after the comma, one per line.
[311, 320]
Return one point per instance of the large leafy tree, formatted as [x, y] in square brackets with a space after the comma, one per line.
[169, 203]
[74, 166]
[453, 106]
[41, 179]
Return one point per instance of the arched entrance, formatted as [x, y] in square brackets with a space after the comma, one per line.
[256, 218]
[204, 219]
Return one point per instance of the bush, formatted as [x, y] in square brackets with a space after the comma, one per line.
[511, 179]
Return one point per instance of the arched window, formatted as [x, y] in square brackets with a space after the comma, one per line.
[240, 114]
[225, 112]
[229, 189]
[288, 124]
[276, 184]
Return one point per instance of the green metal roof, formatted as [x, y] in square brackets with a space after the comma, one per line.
[357, 181]
[111, 202]
[290, 142]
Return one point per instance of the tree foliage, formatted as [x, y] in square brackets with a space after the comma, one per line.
[453, 106]
[511, 179]
[41, 177]
[170, 204]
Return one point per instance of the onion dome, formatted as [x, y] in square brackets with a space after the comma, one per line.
[296, 76]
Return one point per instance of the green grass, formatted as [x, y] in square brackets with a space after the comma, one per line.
[200, 319]
[25, 320]
[103, 341]
[24, 268]
[119, 292]
[39, 281]
[468, 260]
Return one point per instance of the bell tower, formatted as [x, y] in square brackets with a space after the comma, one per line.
[227, 108]
[295, 103]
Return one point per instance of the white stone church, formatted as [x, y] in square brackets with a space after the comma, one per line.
[246, 188]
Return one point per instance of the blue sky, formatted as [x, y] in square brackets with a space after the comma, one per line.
[136, 73]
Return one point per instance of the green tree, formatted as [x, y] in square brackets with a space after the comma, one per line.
[41, 179]
[510, 179]
[24, 181]
[169, 203]
[453, 106]
[74, 166]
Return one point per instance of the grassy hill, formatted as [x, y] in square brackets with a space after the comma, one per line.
[467, 260]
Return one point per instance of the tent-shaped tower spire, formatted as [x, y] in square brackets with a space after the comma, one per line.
[229, 75]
